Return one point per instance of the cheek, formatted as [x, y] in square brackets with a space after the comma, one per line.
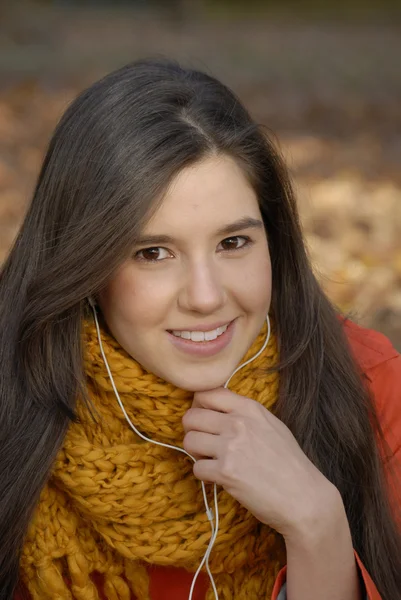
[256, 284]
[135, 300]
[263, 291]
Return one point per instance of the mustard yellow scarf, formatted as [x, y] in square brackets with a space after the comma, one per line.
[115, 502]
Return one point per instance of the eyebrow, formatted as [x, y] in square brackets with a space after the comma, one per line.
[236, 226]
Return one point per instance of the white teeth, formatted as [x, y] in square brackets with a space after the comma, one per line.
[197, 336]
[200, 336]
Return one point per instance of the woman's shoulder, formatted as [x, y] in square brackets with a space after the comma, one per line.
[381, 364]
[370, 348]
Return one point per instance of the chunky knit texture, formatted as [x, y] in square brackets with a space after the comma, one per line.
[115, 502]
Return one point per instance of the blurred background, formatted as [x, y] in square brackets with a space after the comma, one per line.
[324, 76]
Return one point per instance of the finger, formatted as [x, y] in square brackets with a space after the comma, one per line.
[200, 444]
[203, 419]
[220, 399]
[207, 470]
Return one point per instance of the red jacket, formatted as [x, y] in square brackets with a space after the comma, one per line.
[382, 365]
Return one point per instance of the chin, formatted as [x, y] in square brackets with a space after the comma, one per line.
[200, 385]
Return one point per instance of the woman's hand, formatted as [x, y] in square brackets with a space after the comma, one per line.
[243, 447]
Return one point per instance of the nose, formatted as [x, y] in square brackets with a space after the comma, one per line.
[203, 290]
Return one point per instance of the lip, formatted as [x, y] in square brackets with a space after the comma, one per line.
[204, 349]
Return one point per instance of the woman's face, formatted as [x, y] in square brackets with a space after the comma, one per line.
[202, 263]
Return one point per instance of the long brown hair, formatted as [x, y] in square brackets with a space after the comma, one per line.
[109, 161]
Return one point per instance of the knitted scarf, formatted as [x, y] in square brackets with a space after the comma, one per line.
[114, 502]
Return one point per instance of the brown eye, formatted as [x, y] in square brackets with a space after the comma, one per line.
[236, 242]
[155, 254]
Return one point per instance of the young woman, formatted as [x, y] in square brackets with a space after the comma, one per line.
[165, 347]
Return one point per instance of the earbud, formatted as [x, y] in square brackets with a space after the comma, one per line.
[91, 301]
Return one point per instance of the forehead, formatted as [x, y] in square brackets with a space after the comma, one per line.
[207, 194]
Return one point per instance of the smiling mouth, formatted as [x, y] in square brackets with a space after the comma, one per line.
[197, 343]
[200, 336]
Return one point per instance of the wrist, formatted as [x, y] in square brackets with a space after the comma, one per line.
[320, 554]
[320, 521]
